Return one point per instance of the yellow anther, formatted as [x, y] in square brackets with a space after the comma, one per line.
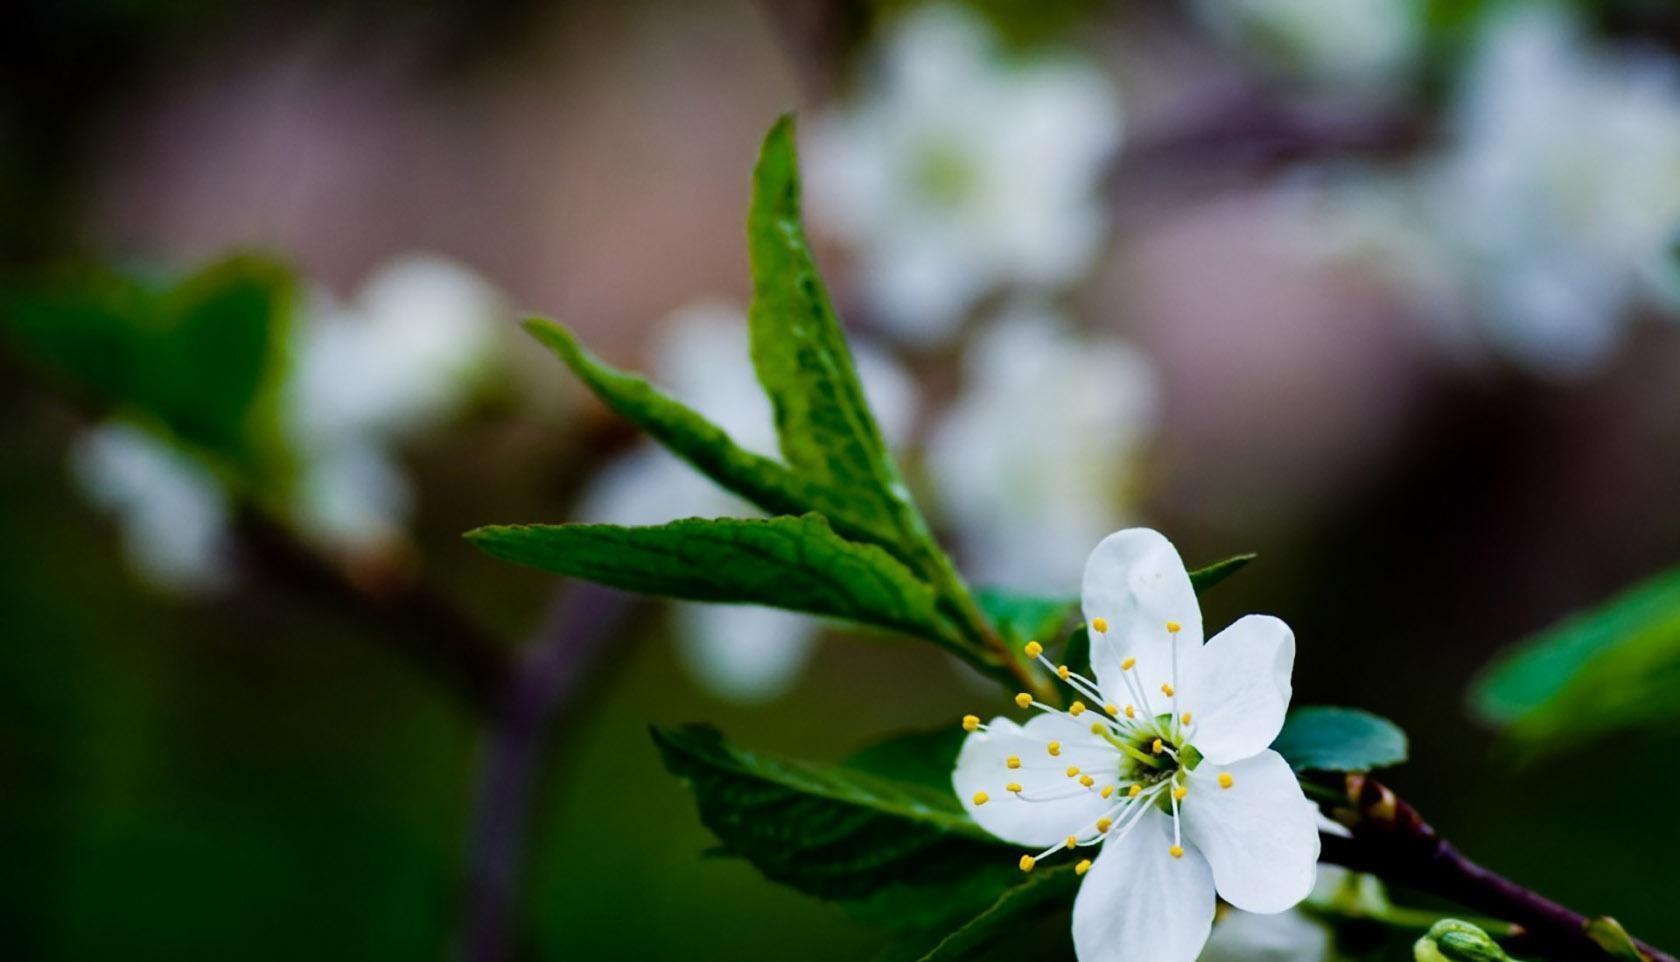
[1083, 867]
[1177, 851]
[1225, 780]
[1173, 627]
[1104, 824]
[1034, 649]
[1072, 770]
[971, 722]
[1013, 787]
[1097, 728]
[1184, 718]
[1107, 790]
[1100, 624]
[1023, 700]
[981, 798]
[1027, 862]
[1076, 709]
[1013, 761]
[1112, 709]
[1054, 748]
[1087, 781]
[1128, 664]
[1073, 841]
[1156, 747]
[1131, 712]
[1135, 791]
[1180, 792]
[1166, 689]
[1062, 672]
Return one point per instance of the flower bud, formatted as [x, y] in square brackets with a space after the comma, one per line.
[1450, 940]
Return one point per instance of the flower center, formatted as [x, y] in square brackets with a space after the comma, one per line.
[1153, 749]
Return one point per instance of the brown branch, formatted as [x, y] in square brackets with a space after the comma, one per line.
[415, 622]
[1391, 840]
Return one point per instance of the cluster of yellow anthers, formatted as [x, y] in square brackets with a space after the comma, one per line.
[1141, 776]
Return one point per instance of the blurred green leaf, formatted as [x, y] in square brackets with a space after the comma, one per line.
[898, 852]
[201, 358]
[828, 434]
[1204, 578]
[1023, 618]
[924, 758]
[1327, 739]
[795, 563]
[1611, 668]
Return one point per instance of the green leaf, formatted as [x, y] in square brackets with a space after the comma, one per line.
[923, 758]
[201, 358]
[828, 434]
[795, 563]
[1023, 618]
[896, 851]
[1016, 905]
[1204, 578]
[1615, 940]
[1605, 670]
[1326, 739]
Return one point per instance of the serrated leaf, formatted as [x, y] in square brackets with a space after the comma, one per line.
[827, 432]
[201, 358]
[794, 563]
[689, 435]
[897, 851]
[1605, 670]
[1204, 578]
[1328, 739]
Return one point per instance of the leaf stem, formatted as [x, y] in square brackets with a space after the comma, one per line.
[1391, 840]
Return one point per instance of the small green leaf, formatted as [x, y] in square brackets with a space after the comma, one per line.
[899, 852]
[1602, 671]
[1017, 903]
[795, 563]
[202, 358]
[1023, 618]
[1204, 578]
[1615, 940]
[828, 434]
[1326, 739]
[923, 758]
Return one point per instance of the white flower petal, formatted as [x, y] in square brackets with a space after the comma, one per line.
[1136, 582]
[1258, 835]
[1237, 688]
[982, 766]
[1139, 904]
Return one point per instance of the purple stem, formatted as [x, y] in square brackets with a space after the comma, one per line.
[541, 684]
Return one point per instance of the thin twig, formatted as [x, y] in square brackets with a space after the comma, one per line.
[542, 685]
[1391, 840]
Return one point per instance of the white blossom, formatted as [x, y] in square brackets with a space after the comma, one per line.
[1560, 193]
[1166, 766]
[171, 510]
[959, 170]
[1036, 458]
[741, 652]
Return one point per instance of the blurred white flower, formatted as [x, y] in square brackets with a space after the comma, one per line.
[958, 171]
[1561, 189]
[1281, 937]
[1032, 463]
[1348, 46]
[739, 652]
[371, 374]
[171, 510]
